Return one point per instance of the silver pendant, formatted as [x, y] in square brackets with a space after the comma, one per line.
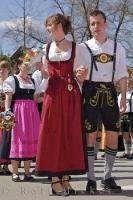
[69, 87]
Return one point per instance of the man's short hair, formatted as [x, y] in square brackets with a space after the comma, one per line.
[98, 12]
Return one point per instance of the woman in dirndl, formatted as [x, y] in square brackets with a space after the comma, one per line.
[61, 146]
[19, 92]
[4, 135]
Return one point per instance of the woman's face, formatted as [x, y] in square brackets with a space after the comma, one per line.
[54, 29]
[25, 67]
[4, 72]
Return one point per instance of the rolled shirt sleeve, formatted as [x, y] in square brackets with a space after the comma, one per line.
[82, 57]
[121, 67]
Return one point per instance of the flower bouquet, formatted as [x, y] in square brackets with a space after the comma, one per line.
[2, 97]
[30, 54]
[7, 120]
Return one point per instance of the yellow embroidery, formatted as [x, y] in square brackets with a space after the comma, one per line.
[118, 124]
[101, 92]
[94, 100]
[87, 125]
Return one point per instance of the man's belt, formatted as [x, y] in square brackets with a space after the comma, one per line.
[103, 58]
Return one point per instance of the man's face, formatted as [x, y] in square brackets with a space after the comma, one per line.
[97, 25]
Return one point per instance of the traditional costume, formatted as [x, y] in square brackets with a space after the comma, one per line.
[61, 146]
[24, 135]
[5, 136]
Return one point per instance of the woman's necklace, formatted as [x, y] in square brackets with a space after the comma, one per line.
[59, 41]
[57, 49]
[24, 79]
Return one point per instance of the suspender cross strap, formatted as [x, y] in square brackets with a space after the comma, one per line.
[130, 102]
[114, 60]
[93, 62]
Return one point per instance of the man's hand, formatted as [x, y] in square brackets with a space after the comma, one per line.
[81, 73]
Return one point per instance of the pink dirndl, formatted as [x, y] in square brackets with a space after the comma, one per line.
[25, 132]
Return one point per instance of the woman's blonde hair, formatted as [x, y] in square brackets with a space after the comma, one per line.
[5, 64]
[57, 19]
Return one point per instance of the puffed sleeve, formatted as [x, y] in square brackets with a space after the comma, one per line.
[44, 60]
[43, 86]
[37, 76]
[9, 85]
[81, 57]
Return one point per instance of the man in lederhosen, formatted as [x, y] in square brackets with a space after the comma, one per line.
[126, 127]
[108, 65]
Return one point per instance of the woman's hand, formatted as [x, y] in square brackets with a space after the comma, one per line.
[38, 97]
[39, 66]
[44, 71]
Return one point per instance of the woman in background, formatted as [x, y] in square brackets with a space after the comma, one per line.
[4, 135]
[19, 92]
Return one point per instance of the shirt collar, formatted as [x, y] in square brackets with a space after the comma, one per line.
[98, 43]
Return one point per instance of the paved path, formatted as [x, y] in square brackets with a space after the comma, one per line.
[40, 189]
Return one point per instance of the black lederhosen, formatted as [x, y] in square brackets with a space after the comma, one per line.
[100, 101]
[126, 122]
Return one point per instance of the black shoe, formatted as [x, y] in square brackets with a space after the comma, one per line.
[16, 178]
[28, 178]
[95, 157]
[103, 155]
[124, 155]
[1, 173]
[110, 185]
[68, 187]
[59, 193]
[91, 187]
[71, 191]
[130, 157]
[33, 171]
[6, 171]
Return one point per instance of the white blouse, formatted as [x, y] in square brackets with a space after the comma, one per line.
[37, 76]
[79, 60]
[104, 73]
[41, 82]
[9, 85]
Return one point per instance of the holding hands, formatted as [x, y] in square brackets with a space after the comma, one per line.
[81, 73]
